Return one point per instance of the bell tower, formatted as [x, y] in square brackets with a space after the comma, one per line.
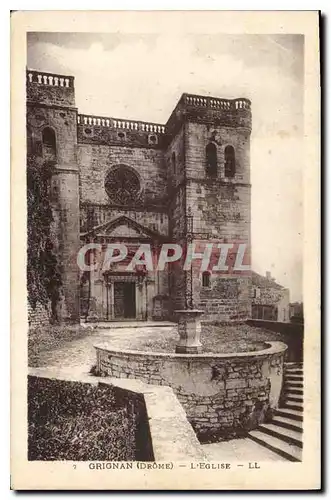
[211, 199]
[52, 135]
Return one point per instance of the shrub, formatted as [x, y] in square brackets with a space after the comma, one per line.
[77, 421]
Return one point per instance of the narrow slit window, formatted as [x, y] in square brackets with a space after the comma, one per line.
[229, 162]
[211, 157]
[173, 161]
[206, 279]
[49, 144]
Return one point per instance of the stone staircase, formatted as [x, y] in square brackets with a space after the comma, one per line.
[283, 435]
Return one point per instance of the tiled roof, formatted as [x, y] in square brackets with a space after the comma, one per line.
[263, 282]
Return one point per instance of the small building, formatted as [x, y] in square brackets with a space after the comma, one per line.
[270, 300]
[296, 312]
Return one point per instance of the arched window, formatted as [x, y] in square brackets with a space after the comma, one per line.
[211, 157]
[49, 144]
[173, 163]
[229, 162]
[206, 279]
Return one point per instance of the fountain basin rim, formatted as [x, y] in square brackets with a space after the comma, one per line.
[274, 347]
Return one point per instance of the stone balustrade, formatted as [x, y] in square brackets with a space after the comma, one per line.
[207, 109]
[119, 123]
[235, 111]
[215, 102]
[49, 79]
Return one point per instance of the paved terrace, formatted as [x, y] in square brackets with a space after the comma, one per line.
[78, 352]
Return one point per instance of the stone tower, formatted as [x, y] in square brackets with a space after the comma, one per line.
[208, 161]
[52, 135]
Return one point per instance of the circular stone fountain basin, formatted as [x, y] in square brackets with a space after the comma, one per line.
[219, 392]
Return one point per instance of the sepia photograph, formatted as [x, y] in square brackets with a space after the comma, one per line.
[165, 212]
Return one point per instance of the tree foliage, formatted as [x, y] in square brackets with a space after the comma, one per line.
[43, 276]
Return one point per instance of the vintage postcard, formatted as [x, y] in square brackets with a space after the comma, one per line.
[165, 250]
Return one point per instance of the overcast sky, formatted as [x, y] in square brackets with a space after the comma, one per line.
[142, 76]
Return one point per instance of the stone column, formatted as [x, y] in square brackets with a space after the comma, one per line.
[99, 299]
[189, 329]
[92, 312]
[112, 302]
[141, 300]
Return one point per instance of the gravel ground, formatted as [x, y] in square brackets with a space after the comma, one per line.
[216, 339]
[73, 347]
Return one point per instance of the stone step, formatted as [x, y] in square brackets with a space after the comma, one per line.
[292, 364]
[288, 435]
[293, 391]
[288, 423]
[294, 377]
[293, 406]
[293, 385]
[298, 398]
[289, 451]
[291, 380]
[294, 369]
[288, 413]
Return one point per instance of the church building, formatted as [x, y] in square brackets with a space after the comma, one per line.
[130, 181]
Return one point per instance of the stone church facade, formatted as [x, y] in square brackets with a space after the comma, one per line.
[118, 180]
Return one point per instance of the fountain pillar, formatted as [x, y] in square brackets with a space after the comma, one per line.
[189, 329]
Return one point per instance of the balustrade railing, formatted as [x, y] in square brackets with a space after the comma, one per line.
[55, 80]
[50, 79]
[216, 103]
[102, 121]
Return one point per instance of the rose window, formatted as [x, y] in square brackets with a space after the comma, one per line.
[122, 185]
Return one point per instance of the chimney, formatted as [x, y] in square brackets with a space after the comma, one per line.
[268, 275]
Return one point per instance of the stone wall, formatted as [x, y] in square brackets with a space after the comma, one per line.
[112, 131]
[96, 160]
[63, 122]
[210, 110]
[170, 436]
[292, 334]
[175, 161]
[50, 88]
[222, 394]
[93, 214]
[158, 430]
[221, 213]
[198, 135]
[227, 298]
[50, 103]
[38, 316]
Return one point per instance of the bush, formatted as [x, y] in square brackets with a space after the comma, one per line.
[77, 421]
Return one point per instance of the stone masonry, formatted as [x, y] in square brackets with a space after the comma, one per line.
[225, 394]
[165, 186]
